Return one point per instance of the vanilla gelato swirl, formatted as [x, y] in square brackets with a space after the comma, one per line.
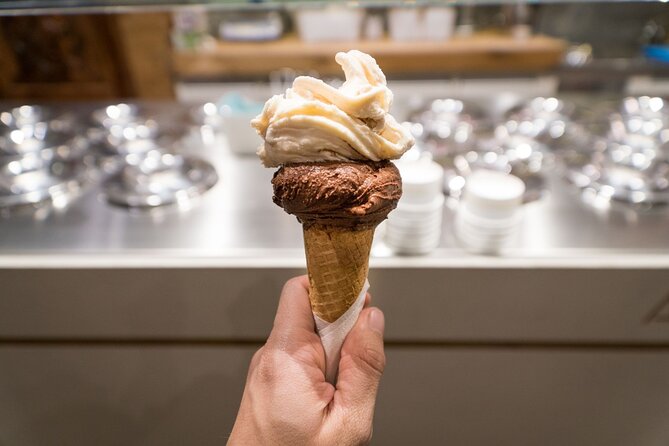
[314, 122]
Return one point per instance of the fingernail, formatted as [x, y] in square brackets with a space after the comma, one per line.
[376, 321]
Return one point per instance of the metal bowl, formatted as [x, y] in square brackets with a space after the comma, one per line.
[38, 120]
[613, 181]
[646, 107]
[614, 171]
[207, 122]
[546, 107]
[632, 163]
[446, 127]
[111, 145]
[637, 151]
[27, 139]
[34, 180]
[23, 115]
[206, 114]
[13, 166]
[446, 112]
[464, 164]
[544, 119]
[117, 114]
[117, 135]
[51, 144]
[622, 127]
[639, 137]
[159, 179]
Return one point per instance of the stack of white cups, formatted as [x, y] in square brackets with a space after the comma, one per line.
[415, 226]
[488, 214]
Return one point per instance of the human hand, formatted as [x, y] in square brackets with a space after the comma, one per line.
[287, 401]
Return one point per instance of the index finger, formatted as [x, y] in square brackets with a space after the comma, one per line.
[293, 316]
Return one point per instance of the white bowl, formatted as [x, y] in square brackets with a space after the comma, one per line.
[413, 239]
[482, 237]
[477, 242]
[418, 227]
[405, 239]
[413, 248]
[469, 218]
[436, 203]
[410, 221]
[422, 181]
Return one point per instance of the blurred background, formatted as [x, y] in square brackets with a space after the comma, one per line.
[524, 274]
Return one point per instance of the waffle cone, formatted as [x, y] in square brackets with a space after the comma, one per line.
[337, 263]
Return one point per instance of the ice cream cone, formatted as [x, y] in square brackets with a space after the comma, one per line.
[337, 264]
[333, 147]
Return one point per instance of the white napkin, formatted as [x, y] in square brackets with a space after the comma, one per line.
[333, 334]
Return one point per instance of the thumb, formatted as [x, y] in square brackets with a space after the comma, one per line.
[362, 363]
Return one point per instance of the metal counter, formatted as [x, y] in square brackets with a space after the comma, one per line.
[236, 224]
[142, 324]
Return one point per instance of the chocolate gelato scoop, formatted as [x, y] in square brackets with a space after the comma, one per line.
[351, 195]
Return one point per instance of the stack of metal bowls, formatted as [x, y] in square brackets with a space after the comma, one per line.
[207, 124]
[119, 132]
[528, 138]
[631, 162]
[463, 139]
[447, 127]
[544, 119]
[42, 157]
[143, 169]
[520, 156]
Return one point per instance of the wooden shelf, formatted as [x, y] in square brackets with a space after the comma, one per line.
[483, 53]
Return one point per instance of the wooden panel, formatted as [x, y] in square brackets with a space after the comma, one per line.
[76, 57]
[56, 57]
[144, 54]
[458, 305]
[175, 396]
[483, 53]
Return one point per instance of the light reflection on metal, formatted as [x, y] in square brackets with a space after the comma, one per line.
[631, 164]
[41, 158]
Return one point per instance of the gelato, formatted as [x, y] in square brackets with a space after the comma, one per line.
[316, 122]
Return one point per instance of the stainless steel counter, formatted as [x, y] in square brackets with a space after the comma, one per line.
[152, 317]
[237, 224]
